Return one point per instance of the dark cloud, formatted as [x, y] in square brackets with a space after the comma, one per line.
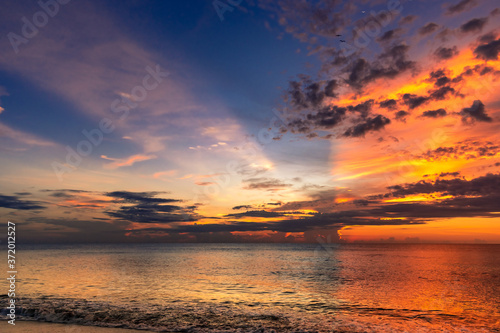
[61, 195]
[70, 231]
[470, 198]
[388, 104]
[413, 101]
[439, 77]
[442, 81]
[461, 6]
[474, 25]
[389, 64]
[474, 113]
[305, 94]
[487, 38]
[428, 28]
[469, 149]
[370, 124]
[331, 87]
[270, 184]
[440, 93]
[64, 193]
[452, 174]
[488, 185]
[148, 209]
[488, 51]
[242, 206]
[255, 213]
[446, 52]
[477, 197]
[434, 113]
[139, 197]
[407, 19]
[328, 220]
[362, 108]
[13, 202]
[154, 213]
[437, 74]
[328, 117]
[401, 115]
[389, 35]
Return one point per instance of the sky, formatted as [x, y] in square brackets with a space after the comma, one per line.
[250, 121]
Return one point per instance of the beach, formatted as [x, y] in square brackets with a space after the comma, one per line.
[43, 327]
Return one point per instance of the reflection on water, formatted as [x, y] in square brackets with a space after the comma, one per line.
[348, 287]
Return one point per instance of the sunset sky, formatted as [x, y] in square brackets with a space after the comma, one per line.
[267, 121]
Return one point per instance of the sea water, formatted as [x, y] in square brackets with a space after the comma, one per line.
[262, 287]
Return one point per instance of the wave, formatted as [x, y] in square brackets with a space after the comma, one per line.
[223, 317]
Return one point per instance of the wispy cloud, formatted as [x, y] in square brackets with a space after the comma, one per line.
[131, 160]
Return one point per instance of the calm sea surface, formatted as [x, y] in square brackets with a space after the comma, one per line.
[263, 287]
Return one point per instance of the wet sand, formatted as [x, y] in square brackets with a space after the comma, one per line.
[43, 327]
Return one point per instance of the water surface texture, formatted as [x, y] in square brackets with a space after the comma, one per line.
[250, 287]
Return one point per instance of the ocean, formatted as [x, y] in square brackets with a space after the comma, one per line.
[261, 287]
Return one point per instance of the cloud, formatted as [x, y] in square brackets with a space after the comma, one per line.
[389, 35]
[446, 174]
[359, 117]
[332, 220]
[434, 113]
[488, 185]
[331, 87]
[428, 28]
[389, 64]
[413, 101]
[139, 197]
[463, 150]
[476, 197]
[440, 93]
[23, 137]
[13, 202]
[118, 163]
[474, 113]
[446, 52]
[401, 115]
[147, 208]
[474, 25]
[204, 183]
[407, 19]
[76, 231]
[486, 38]
[242, 206]
[388, 103]
[439, 78]
[370, 124]
[461, 6]
[255, 213]
[488, 51]
[307, 94]
[270, 184]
